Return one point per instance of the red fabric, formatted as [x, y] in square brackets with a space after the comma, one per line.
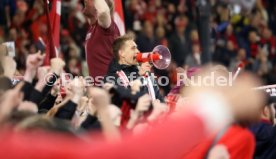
[239, 142]
[271, 44]
[55, 31]
[121, 19]
[166, 141]
[254, 49]
[172, 100]
[35, 27]
[55, 21]
[233, 39]
[125, 109]
[98, 48]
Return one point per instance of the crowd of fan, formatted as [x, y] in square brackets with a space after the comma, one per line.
[236, 37]
[76, 108]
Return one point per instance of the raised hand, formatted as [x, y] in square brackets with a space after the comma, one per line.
[100, 97]
[32, 63]
[57, 65]
[144, 68]
[77, 86]
[158, 110]
[143, 103]
[42, 72]
[11, 99]
[35, 60]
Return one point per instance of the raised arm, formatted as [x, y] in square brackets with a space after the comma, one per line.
[103, 12]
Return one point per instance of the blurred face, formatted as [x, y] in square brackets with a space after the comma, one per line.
[148, 28]
[252, 37]
[194, 35]
[128, 53]
[229, 29]
[269, 113]
[89, 9]
[160, 32]
[181, 24]
[13, 34]
[241, 54]
[196, 49]
[267, 33]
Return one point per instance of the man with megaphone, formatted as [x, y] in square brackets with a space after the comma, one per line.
[124, 69]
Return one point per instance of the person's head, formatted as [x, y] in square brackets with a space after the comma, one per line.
[181, 23]
[160, 32]
[13, 34]
[91, 12]
[267, 33]
[194, 35]
[41, 122]
[125, 50]
[241, 54]
[253, 37]
[16, 117]
[269, 111]
[196, 48]
[233, 92]
[148, 29]
[229, 29]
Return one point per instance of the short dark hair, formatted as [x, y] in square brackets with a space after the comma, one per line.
[119, 43]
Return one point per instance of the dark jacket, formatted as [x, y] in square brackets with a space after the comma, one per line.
[264, 133]
[120, 92]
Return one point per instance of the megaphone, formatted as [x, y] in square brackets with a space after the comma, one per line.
[160, 57]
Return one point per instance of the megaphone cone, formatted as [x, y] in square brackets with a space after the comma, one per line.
[160, 57]
[165, 58]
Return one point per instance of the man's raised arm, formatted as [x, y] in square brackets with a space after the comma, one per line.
[103, 10]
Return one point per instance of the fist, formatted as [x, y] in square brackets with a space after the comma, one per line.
[57, 65]
[100, 98]
[145, 67]
[42, 71]
[35, 60]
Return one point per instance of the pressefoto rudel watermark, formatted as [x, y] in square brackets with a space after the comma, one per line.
[210, 79]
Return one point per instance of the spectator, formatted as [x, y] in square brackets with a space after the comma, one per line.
[102, 32]
[241, 57]
[147, 40]
[194, 59]
[178, 42]
[254, 44]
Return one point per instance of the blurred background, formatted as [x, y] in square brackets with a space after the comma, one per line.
[238, 33]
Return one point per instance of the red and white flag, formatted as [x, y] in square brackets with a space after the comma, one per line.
[55, 21]
[54, 30]
[119, 16]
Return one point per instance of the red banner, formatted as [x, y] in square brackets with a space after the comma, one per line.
[119, 16]
[53, 30]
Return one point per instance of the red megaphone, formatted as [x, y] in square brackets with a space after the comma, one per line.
[148, 57]
[160, 57]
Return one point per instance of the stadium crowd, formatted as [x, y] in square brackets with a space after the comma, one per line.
[48, 118]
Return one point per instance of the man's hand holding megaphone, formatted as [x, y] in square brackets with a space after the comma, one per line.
[144, 68]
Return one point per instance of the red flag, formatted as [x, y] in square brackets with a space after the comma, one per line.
[119, 16]
[53, 31]
[55, 21]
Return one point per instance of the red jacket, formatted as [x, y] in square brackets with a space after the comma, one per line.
[239, 142]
